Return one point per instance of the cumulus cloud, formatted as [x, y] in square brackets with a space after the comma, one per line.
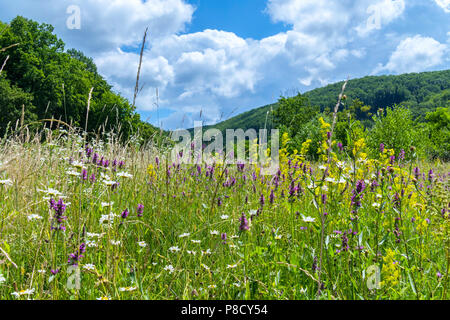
[415, 54]
[444, 4]
[105, 24]
[206, 75]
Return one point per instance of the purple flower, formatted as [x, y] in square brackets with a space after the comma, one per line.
[262, 200]
[272, 197]
[416, 173]
[74, 258]
[140, 210]
[401, 155]
[340, 146]
[54, 272]
[84, 175]
[124, 214]
[430, 175]
[58, 217]
[382, 147]
[244, 223]
[324, 199]
[223, 236]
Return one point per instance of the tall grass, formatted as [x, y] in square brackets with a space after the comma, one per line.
[216, 232]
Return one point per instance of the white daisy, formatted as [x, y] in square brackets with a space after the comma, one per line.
[308, 219]
[89, 267]
[142, 244]
[125, 175]
[184, 235]
[128, 289]
[174, 249]
[214, 233]
[33, 217]
[6, 182]
[169, 268]
[23, 292]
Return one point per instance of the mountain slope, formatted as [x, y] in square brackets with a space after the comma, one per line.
[422, 92]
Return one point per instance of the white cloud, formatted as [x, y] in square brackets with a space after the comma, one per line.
[214, 71]
[106, 24]
[415, 54]
[444, 4]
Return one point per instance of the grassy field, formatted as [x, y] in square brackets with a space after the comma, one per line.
[105, 221]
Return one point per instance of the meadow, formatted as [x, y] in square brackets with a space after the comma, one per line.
[101, 219]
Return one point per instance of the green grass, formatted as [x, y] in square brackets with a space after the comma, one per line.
[290, 251]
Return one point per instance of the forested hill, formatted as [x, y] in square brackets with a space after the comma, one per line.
[46, 81]
[421, 92]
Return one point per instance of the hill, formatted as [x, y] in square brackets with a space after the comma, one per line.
[421, 92]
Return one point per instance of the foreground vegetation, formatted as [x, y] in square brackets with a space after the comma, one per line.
[139, 226]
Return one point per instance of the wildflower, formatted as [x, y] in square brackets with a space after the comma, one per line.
[107, 204]
[142, 244]
[207, 252]
[224, 217]
[244, 223]
[205, 266]
[213, 286]
[382, 148]
[224, 238]
[124, 214]
[51, 192]
[84, 175]
[58, 217]
[124, 175]
[184, 235]
[232, 266]
[23, 292]
[2, 279]
[33, 217]
[140, 210]
[127, 289]
[73, 173]
[89, 267]
[196, 241]
[214, 232]
[115, 242]
[261, 200]
[174, 249]
[104, 298]
[308, 219]
[6, 182]
[54, 272]
[74, 258]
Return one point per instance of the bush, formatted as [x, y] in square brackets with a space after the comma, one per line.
[396, 129]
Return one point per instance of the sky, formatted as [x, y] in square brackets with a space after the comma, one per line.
[211, 59]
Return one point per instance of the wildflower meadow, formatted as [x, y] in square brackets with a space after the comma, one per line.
[105, 220]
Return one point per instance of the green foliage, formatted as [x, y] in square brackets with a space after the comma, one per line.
[10, 98]
[294, 112]
[59, 82]
[397, 130]
[438, 125]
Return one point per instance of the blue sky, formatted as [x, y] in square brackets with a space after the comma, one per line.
[214, 59]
